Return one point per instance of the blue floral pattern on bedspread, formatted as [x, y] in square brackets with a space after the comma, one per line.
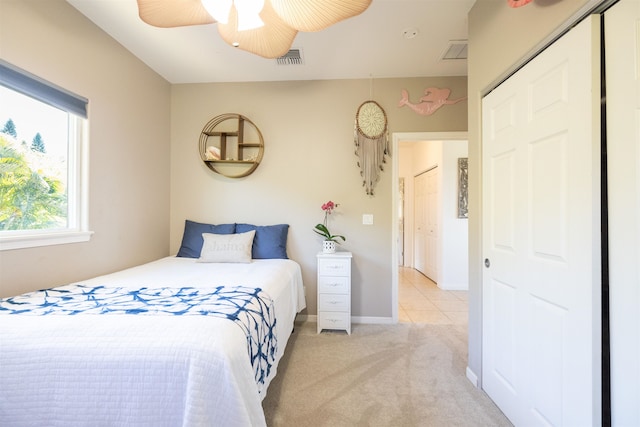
[250, 308]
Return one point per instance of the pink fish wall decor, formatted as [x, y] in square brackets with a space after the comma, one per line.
[518, 3]
[430, 102]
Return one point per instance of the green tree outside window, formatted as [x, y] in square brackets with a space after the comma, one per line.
[28, 199]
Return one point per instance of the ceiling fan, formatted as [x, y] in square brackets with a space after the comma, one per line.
[263, 27]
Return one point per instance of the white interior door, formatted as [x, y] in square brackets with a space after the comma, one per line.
[420, 222]
[541, 215]
[426, 223]
[622, 53]
[432, 197]
[400, 241]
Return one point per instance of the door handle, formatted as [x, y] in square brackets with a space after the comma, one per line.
[487, 263]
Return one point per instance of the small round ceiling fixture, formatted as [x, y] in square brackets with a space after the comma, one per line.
[410, 33]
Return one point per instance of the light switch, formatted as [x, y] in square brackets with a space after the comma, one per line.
[367, 219]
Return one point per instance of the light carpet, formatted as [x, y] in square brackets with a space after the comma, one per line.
[381, 375]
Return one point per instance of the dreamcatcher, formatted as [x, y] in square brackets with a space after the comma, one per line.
[372, 142]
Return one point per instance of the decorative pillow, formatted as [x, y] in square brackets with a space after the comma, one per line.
[270, 241]
[192, 237]
[227, 247]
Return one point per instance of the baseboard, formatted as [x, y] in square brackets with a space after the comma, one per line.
[372, 320]
[306, 318]
[472, 377]
[453, 286]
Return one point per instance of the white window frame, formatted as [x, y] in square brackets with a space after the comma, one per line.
[77, 229]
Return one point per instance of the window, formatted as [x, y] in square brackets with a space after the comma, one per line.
[42, 169]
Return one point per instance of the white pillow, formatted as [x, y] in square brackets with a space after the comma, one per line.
[227, 247]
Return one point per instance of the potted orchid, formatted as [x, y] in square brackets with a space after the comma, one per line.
[330, 240]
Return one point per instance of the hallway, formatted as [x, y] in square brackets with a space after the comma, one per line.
[421, 301]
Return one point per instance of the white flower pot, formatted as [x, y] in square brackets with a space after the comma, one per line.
[328, 246]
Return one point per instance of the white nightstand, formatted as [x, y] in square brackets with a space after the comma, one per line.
[334, 291]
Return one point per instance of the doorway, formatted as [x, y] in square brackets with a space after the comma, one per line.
[399, 139]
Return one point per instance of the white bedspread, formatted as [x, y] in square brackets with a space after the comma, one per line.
[132, 370]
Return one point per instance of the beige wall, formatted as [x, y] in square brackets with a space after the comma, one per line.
[129, 143]
[499, 38]
[309, 159]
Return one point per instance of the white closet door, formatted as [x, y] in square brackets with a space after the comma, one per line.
[420, 223]
[426, 223]
[432, 196]
[541, 220]
[622, 53]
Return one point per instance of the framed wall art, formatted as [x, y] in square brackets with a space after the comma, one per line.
[463, 187]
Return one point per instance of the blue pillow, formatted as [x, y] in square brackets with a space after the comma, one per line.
[192, 238]
[270, 241]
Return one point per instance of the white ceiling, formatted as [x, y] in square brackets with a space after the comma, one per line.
[370, 45]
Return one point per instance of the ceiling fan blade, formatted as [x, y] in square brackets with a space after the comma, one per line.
[173, 13]
[316, 15]
[269, 41]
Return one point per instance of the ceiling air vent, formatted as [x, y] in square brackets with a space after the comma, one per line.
[293, 57]
[456, 49]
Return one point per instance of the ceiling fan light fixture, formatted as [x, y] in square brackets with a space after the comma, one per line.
[316, 15]
[269, 41]
[218, 9]
[249, 14]
[177, 13]
[264, 27]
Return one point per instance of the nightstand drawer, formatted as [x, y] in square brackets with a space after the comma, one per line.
[333, 320]
[334, 302]
[334, 267]
[333, 285]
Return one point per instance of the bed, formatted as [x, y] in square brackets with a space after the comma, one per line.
[181, 341]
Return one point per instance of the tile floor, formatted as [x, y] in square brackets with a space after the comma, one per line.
[421, 301]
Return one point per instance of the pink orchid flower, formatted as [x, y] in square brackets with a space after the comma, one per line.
[329, 206]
